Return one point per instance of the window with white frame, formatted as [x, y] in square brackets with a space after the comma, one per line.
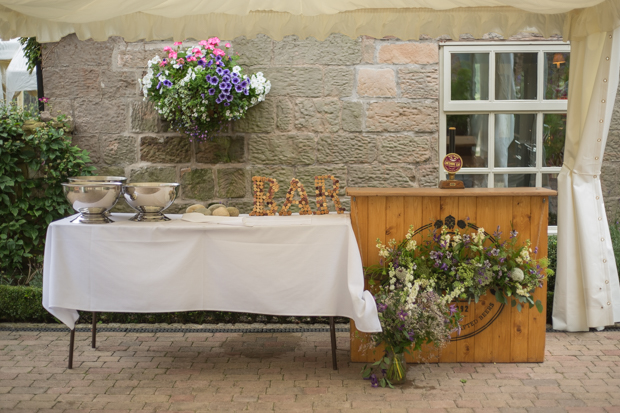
[508, 104]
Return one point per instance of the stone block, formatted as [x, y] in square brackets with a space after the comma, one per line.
[338, 81]
[119, 149]
[101, 116]
[120, 84]
[254, 52]
[352, 116]
[198, 184]
[132, 56]
[381, 176]
[144, 117]
[295, 81]
[282, 174]
[409, 53]
[222, 149]
[89, 143]
[346, 149]
[284, 115]
[368, 49]
[168, 149]
[232, 183]
[297, 149]
[306, 176]
[314, 115]
[389, 116]
[79, 82]
[428, 176]
[337, 49]
[609, 179]
[259, 118]
[404, 149]
[61, 107]
[615, 116]
[153, 174]
[109, 170]
[376, 82]
[70, 51]
[421, 82]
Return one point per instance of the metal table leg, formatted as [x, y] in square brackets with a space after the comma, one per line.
[332, 331]
[71, 343]
[94, 330]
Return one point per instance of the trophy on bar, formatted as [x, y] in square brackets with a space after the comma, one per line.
[452, 163]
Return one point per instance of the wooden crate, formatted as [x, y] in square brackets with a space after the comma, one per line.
[491, 332]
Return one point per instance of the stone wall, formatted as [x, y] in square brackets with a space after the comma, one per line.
[611, 166]
[365, 110]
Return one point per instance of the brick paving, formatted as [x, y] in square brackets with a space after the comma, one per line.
[288, 372]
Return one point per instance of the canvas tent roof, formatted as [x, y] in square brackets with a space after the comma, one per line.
[50, 20]
[17, 76]
[8, 49]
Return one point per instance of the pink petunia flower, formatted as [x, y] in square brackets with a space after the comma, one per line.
[203, 43]
[191, 59]
[214, 41]
[163, 63]
[227, 45]
[210, 47]
[180, 61]
[167, 49]
[219, 52]
[197, 51]
[178, 43]
[172, 55]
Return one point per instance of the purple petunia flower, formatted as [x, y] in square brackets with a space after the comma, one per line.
[202, 63]
[226, 104]
[229, 98]
[218, 100]
[244, 83]
[238, 89]
[226, 78]
[226, 71]
[218, 58]
[222, 96]
[158, 85]
[210, 63]
[246, 92]
[219, 71]
[212, 91]
[167, 83]
[214, 80]
[235, 80]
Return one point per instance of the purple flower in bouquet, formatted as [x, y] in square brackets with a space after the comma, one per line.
[381, 307]
[453, 309]
[374, 381]
[513, 233]
[535, 250]
[402, 315]
[411, 336]
[497, 234]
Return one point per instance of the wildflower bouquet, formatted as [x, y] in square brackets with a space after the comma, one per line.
[411, 314]
[466, 265]
[200, 88]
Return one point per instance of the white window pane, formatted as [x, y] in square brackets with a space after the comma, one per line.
[515, 140]
[515, 180]
[473, 180]
[472, 138]
[469, 76]
[556, 75]
[515, 76]
[554, 135]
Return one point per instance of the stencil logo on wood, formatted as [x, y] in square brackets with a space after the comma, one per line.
[480, 322]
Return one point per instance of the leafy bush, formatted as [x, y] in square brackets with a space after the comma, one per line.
[20, 303]
[35, 158]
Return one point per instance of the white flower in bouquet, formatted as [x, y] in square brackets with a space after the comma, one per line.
[517, 274]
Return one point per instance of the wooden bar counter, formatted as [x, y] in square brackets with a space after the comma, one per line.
[491, 332]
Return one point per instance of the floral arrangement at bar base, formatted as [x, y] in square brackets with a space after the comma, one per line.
[411, 314]
[199, 89]
[468, 263]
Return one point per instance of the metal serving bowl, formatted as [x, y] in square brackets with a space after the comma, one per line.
[97, 178]
[150, 199]
[92, 200]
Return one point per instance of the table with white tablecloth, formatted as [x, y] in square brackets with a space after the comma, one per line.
[294, 266]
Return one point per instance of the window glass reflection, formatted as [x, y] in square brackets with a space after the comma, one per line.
[554, 136]
[515, 180]
[516, 76]
[472, 138]
[551, 181]
[556, 75]
[470, 76]
[473, 180]
[515, 140]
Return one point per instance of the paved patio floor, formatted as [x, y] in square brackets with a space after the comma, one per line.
[288, 372]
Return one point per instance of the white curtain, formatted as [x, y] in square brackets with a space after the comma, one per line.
[587, 293]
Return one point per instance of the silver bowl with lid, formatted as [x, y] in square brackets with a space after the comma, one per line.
[92, 200]
[150, 199]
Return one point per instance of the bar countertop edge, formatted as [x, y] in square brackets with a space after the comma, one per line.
[525, 191]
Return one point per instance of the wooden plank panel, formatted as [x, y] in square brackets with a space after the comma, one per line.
[376, 228]
[394, 218]
[537, 321]
[519, 320]
[485, 217]
[466, 348]
[413, 214]
[501, 326]
[359, 222]
[430, 192]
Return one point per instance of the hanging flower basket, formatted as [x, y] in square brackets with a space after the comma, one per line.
[199, 89]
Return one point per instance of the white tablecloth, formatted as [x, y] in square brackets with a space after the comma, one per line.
[299, 266]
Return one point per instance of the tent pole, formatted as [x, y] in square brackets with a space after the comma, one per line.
[40, 93]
